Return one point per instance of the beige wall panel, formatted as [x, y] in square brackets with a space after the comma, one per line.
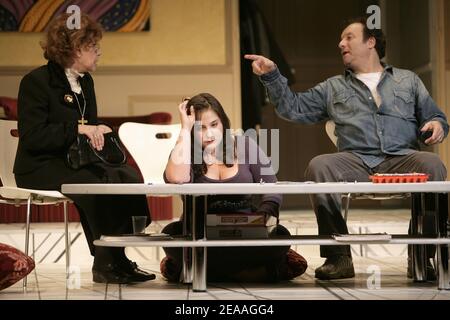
[447, 33]
[183, 32]
[140, 94]
[447, 91]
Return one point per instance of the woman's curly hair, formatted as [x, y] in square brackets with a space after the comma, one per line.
[61, 43]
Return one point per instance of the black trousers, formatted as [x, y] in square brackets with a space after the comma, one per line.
[99, 214]
[224, 262]
[345, 166]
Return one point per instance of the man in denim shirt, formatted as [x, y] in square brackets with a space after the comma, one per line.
[379, 112]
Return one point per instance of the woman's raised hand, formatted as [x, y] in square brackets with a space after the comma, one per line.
[187, 117]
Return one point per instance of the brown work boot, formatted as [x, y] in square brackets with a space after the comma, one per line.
[336, 267]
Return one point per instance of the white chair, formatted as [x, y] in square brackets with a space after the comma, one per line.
[330, 128]
[150, 145]
[11, 194]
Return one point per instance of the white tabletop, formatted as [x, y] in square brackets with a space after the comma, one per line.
[302, 240]
[256, 188]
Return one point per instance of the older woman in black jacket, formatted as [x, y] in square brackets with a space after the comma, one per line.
[57, 102]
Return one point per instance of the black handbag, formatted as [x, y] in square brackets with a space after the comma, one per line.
[81, 153]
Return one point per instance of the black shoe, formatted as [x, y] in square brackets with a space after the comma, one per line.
[110, 273]
[336, 267]
[431, 273]
[135, 274]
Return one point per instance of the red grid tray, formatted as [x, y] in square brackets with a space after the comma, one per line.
[399, 177]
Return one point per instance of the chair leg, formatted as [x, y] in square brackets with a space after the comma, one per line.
[27, 234]
[66, 235]
[347, 204]
[419, 258]
[187, 273]
[443, 251]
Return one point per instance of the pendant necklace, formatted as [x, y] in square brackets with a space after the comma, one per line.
[82, 121]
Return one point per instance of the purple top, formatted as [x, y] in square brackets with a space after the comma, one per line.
[253, 167]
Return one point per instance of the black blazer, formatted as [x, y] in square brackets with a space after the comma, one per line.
[48, 116]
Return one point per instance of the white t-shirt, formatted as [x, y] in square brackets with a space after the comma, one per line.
[371, 80]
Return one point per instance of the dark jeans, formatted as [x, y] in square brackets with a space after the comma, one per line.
[345, 166]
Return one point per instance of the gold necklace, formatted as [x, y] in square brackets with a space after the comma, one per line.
[82, 121]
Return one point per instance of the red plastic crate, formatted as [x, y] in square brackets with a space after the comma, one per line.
[399, 177]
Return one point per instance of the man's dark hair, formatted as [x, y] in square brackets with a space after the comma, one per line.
[378, 34]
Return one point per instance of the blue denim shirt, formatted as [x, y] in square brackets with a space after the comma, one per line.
[369, 131]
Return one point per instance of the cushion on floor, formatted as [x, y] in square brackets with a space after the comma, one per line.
[14, 265]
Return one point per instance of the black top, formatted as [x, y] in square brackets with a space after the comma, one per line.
[48, 116]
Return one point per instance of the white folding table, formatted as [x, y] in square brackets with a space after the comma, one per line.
[196, 273]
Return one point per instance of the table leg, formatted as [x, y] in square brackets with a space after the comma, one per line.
[187, 232]
[199, 253]
[418, 252]
[199, 278]
[443, 254]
